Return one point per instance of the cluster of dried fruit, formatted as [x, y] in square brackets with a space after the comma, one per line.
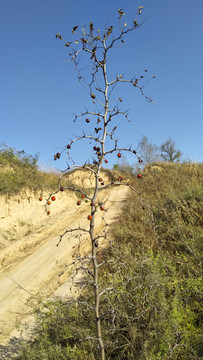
[53, 198]
[57, 156]
[98, 151]
[101, 181]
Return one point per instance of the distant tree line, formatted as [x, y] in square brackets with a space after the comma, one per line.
[152, 153]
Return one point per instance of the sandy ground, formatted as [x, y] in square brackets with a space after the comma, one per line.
[31, 265]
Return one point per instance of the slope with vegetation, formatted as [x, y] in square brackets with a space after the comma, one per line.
[19, 170]
[151, 304]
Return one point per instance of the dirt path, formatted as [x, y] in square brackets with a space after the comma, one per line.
[37, 271]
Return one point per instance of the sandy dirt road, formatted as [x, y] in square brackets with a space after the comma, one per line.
[36, 273]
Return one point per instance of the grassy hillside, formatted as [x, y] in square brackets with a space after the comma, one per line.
[152, 290]
[19, 170]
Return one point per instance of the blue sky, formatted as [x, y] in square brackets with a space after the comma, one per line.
[39, 90]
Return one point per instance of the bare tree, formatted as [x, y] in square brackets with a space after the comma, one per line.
[169, 151]
[93, 45]
[149, 151]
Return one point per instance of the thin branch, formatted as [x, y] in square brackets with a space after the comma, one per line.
[70, 231]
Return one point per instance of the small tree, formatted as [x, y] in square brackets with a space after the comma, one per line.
[169, 152]
[94, 46]
[149, 152]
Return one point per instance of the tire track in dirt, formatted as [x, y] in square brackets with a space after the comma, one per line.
[37, 274]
